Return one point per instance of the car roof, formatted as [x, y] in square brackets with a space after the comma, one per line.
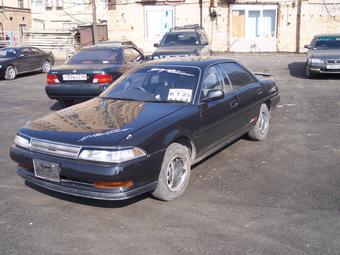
[319, 35]
[197, 61]
[116, 43]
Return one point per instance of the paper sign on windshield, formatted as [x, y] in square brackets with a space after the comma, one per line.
[183, 95]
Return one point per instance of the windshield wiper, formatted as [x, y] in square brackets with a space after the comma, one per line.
[120, 98]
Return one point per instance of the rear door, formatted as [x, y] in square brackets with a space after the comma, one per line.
[248, 90]
[38, 57]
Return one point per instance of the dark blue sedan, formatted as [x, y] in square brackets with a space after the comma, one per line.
[146, 130]
[91, 70]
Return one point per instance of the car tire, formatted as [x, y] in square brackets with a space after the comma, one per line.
[308, 73]
[46, 67]
[175, 173]
[260, 130]
[10, 73]
[66, 102]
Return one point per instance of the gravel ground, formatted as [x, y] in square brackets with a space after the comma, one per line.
[279, 196]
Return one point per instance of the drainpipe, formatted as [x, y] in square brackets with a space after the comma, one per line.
[298, 26]
[201, 12]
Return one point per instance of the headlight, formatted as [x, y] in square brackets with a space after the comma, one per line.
[22, 142]
[316, 61]
[0, 66]
[112, 156]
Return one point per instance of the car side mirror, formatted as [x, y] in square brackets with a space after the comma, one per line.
[214, 94]
[307, 46]
[156, 45]
[205, 44]
[21, 56]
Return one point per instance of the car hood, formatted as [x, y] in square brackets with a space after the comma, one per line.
[325, 54]
[98, 122]
[176, 50]
[4, 60]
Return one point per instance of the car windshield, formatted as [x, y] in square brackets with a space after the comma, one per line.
[175, 39]
[8, 53]
[327, 43]
[98, 56]
[156, 84]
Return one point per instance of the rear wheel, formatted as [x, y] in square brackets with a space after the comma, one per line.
[260, 130]
[10, 73]
[46, 67]
[175, 173]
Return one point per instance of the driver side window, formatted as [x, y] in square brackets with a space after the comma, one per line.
[212, 80]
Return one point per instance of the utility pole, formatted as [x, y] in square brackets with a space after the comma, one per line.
[94, 22]
[298, 26]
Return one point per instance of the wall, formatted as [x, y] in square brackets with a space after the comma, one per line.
[65, 17]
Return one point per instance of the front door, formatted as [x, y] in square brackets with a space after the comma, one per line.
[216, 113]
[25, 60]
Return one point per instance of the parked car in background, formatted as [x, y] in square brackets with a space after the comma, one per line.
[323, 55]
[190, 40]
[91, 70]
[18, 60]
[146, 130]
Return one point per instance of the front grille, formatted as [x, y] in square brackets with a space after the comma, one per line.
[57, 149]
[333, 61]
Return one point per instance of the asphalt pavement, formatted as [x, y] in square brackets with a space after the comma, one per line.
[278, 196]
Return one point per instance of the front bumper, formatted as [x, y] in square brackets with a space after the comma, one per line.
[323, 68]
[74, 91]
[77, 176]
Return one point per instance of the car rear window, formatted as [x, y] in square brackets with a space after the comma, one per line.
[327, 43]
[99, 56]
[173, 39]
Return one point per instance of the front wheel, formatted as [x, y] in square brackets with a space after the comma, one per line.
[308, 73]
[10, 73]
[175, 173]
[46, 67]
[260, 130]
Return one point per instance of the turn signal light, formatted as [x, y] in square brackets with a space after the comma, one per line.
[52, 79]
[110, 185]
[102, 78]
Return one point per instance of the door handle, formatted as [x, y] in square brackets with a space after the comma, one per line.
[259, 91]
[234, 104]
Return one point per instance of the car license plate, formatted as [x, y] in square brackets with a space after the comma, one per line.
[74, 77]
[46, 170]
[333, 66]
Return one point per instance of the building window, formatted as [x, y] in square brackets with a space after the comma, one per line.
[111, 4]
[253, 21]
[21, 3]
[59, 4]
[37, 6]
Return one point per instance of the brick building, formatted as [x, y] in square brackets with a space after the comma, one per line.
[232, 25]
[15, 19]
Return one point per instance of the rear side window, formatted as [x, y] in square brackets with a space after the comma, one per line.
[98, 56]
[237, 75]
[132, 55]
